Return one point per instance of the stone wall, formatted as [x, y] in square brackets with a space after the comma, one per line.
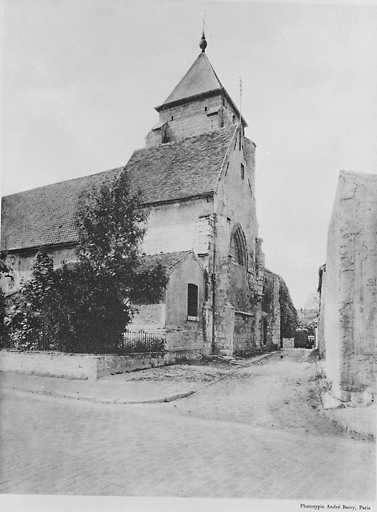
[182, 331]
[244, 333]
[271, 310]
[83, 366]
[236, 286]
[349, 289]
[203, 115]
[180, 226]
[51, 364]
[21, 263]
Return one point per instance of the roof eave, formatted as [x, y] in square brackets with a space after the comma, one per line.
[30, 248]
[203, 195]
[189, 99]
[206, 94]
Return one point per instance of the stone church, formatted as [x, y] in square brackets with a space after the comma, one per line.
[197, 177]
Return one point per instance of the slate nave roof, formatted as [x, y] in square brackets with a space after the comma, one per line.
[168, 172]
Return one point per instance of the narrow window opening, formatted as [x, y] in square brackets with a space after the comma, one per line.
[192, 300]
[242, 171]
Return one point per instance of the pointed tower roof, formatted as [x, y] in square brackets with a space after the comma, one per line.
[200, 78]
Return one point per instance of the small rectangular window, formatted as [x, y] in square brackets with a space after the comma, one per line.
[192, 300]
[242, 171]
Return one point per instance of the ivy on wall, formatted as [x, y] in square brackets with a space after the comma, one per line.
[288, 313]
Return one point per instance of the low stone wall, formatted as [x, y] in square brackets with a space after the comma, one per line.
[110, 364]
[78, 366]
[54, 364]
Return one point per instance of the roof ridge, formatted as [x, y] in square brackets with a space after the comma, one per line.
[64, 181]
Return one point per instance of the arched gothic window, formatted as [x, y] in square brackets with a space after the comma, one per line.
[238, 249]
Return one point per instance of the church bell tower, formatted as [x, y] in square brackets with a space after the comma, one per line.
[198, 104]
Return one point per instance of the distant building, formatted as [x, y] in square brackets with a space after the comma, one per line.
[348, 287]
[307, 315]
[197, 177]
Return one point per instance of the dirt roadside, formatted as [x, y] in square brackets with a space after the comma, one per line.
[279, 392]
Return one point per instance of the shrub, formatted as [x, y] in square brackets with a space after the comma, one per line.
[85, 306]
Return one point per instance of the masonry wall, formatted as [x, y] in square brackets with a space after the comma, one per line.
[237, 294]
[349, 288]
[170, 316]
[188, 119]
[149, 317]
[180, 226]
[244, 333]
[235, 200]
[271, 312]
[21, 263]
[184, 332]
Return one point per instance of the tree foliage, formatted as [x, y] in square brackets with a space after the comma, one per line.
[5, 271]
[288, 312]
[85, 306]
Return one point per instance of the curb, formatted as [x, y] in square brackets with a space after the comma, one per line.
[120, 401]
[111, 401]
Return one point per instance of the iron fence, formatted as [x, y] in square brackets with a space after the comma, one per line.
[29, 341]
[132, 342]
[142, 342]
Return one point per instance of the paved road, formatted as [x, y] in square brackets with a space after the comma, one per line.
[254, 435]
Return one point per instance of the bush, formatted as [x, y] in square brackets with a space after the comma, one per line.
[86, 306]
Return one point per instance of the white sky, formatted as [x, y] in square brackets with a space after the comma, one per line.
[81, 79]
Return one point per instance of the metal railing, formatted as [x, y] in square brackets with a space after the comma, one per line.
[132, 342]
[142, 342]
[43, 341]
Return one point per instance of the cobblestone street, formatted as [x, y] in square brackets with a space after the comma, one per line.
[255, 434]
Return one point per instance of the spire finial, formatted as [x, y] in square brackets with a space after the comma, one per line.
[203, 42]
